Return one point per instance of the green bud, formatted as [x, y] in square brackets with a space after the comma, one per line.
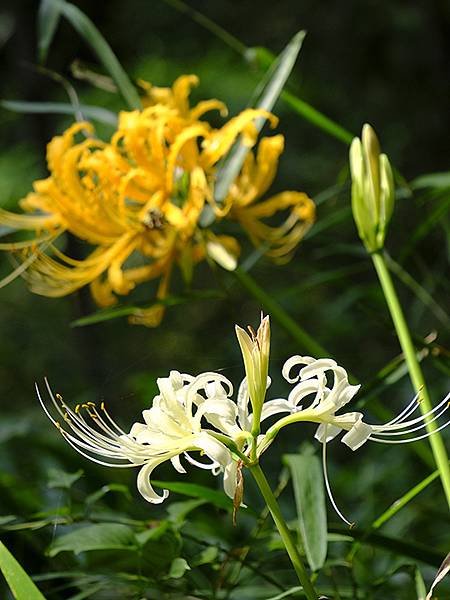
[372, 189]
[255, 350]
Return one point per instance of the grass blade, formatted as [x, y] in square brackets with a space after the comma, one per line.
[49, 14]
[21, 585]
[95, 113]
[87, 30]
[266, 94]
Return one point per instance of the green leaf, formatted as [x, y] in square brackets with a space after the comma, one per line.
[94, 113]
[86, 28]
[61, 479]
[21, 585]
[266, 94]
[103, 536]
[194, 490]
[178, 568]
[49, 14]
[307, 480]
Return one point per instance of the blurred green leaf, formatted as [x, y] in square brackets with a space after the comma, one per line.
[62, 479]
[178, 568]
[86, 28]
[22, 587]
[207, 556]
[307, 480]
[421, 590]
[103, 536]
[266, 94]
[49, 14]
[435, 180]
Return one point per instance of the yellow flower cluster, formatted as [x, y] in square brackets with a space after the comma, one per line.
[137, 200]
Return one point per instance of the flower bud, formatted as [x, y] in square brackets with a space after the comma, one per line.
[372, 189]
[255, 350]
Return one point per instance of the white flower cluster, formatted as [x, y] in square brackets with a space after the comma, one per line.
[198, 414]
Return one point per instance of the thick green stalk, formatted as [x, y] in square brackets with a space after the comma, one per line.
[418, 381]
[272, 307]
[284, 532]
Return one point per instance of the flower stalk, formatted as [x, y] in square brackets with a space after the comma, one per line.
[416, 375]
[284, 532]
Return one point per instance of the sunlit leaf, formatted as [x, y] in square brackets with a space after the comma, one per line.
[21, 585]
[307, 480]
[178, 568]
[265, 97]
[435, 180]
[103, 536]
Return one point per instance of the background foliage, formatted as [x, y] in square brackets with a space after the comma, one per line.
[379, 62]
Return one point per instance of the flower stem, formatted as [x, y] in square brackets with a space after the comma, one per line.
[415, 372]
[284, 532]
[272, 307]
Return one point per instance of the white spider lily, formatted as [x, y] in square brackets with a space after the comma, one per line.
[328, 399]
[325, 399]
[172, 427]
[198, 414]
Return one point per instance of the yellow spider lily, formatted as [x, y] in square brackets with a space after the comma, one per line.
[136, 200]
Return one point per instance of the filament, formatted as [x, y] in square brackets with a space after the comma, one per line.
[327, 484]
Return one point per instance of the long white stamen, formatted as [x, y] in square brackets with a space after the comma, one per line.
[410, 408]
[421, 426]
[414, 439]
[327, 483]
[379, 428]
[119, 429]
[99, 462]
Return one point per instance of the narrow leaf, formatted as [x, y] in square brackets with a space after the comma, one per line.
[21, 585]
[421, 590]
[49, 14]
[307, 480]
[96, 113]
[265, 97]
[86, 28]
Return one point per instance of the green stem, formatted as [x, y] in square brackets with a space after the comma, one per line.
[284, 532]
[279, 314]
[415, 372]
